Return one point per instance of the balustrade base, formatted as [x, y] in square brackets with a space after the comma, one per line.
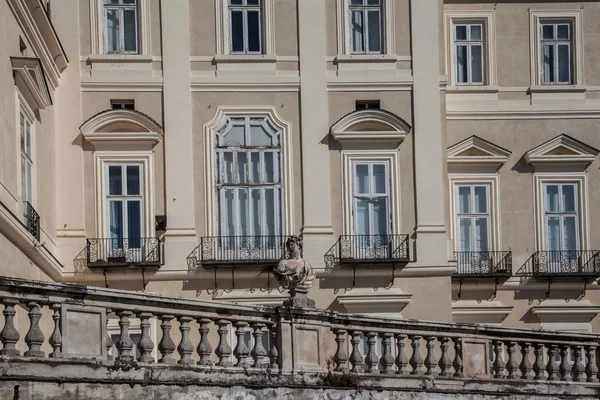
[299, 299]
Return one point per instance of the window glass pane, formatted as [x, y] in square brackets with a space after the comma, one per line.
[115, 227]
[547, 31]
[228, 166]
[374, 21]
[133, 179]
[553, 233]
[22, 131]
[234, 136]
[461, 32]
[242, 168]
[236, 2]
[112, 30]
[480, 199]
[24, 186]
[552, 198]
[243, 212]
[564, 63]
[356, 2]
[548, 63]
[130, 30]
[28, 182]
[362, 217]
[253, 2]
[380, 217]
[237, 31]
[362, 178]
[563, 32]
[128, 1]
[115, 180]
[461, 64]
[269, 167]
[255, 167]
[373, 2]
[475, 32]
[134, 222]
[464, 233]
[270, 216]
[476, 64]
[254, 31]
[464, 199]
[27, 134]
[379, 178]
[256, 221]
[111, 1]
[259, 136]
[568, 198]
[481, 234]
[570, 233]
[357, 30]
[228, 216]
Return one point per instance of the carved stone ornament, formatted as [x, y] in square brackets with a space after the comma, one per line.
[296, 275]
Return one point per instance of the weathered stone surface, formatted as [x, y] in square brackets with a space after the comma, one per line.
[83, 331]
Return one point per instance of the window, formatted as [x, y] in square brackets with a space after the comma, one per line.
[366, 30]
[473, 218]
[25, 133]
[367, 104]
[561, 216]
[469, 53]
[121, 26]
[124, 204]
[245, 26]
[555, 46]
[248, 178]
[371, 198]
[122, 104]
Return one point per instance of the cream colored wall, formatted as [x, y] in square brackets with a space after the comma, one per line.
[203, 40]
[15, 263]
[286, 28]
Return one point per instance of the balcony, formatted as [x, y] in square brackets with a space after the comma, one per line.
[483, 264]
[240, 251]
[32, 220]
[567, 264]
[113, 253]
[353, 250]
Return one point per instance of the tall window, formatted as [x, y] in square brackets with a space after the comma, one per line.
[473, 218]
[469, 53]
[555, 38]
[561, 216]
[245, 26]
[248, 178]
[121, 26]
[125, 204]
[371, 198]
[366, 31]
[26, 158]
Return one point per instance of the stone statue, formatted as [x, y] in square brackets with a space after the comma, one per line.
[296, 275]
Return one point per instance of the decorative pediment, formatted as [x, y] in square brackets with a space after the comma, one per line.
[476, 150]
[562, 149]
[31, 82]
[122, 126]
[370, 125]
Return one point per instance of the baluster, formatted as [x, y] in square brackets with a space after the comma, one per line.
[109, 341]
[9, 334]
[539, 367]
[512, 366]
[223, 350]
[401, 359]
[445, 362]
[204, 347]
[274, 353]
[416, 360]
[241, 350]
[565, 369]
[185, 348]
[591, 368]
[34, 337]
[387, 360]
[526, 366]
[552, 367]
[56, 337]
[458, 362]
[578, 365]
[125, 344]
[259, 352]
[430, 361]
[372, 360]
[499, 364]
[356, 358]
[166, 346]
[341, 355]
[145, 346]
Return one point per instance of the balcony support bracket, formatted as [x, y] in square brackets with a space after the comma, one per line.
[548, 290]
[460, 282]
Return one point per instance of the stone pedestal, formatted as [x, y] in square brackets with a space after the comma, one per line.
[299, 299]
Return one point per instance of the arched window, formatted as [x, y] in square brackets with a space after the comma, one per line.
[248, 178]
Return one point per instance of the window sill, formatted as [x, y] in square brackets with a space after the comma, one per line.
[245, 58]
[371, 58]
[119, 58]
[473, 89]
[557, 88]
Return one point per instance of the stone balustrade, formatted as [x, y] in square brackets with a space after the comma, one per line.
[69, 322]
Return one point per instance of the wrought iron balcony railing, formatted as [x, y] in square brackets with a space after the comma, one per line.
[123, 252]
[483, 263]
[32, 220]
[574, 263]
[235, 250]
[369, 249]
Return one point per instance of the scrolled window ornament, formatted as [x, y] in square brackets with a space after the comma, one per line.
[296, 275]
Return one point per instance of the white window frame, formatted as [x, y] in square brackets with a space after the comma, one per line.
[120, 8]
[364, 8]
[388, 34]
[104, 158]
[472, 216]
[267, 21]
[493, 183]
[469, 43]
[488, 20]
[245, 8]
[98, 29]
[371, 195]
[540, 181]
[349, 157]
[555, 43]
[574, 18]
[29, 159]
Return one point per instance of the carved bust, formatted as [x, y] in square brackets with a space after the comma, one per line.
[296, 274]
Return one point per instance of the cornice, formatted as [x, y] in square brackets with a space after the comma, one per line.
[573, 152]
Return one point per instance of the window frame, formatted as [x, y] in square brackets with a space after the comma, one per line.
[555, 43]
[388, 33]
[364, 9]
[472, 215]
[28, 159]
[245, 8]
[121, 7]
[223, 30]
[371, 195]
[561, 214]
[469, 43]
[98, 28]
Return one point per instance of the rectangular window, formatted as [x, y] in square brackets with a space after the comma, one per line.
[473, 230]
[122, 104]
[121, 26]
[371, 206]
[367, 104]
[245, 26]
[25, 133]
[366, 26]
[556, 52]
[561, 216]
[469, 53]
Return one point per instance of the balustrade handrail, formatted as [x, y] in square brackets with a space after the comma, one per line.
[564, 263]
[483, 262]
[369, 249]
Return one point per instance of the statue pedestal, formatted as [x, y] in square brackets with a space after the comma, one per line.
[299, 299]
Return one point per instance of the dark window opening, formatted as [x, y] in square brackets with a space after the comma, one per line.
[122, 104]
[367, 104]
